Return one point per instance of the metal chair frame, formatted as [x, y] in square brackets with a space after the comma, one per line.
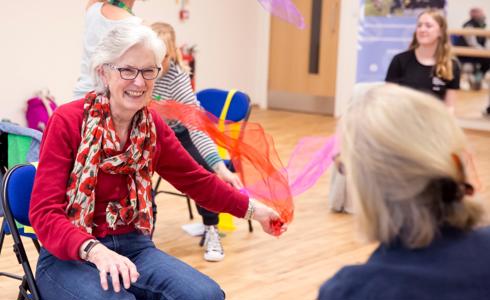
[4, 227]
[28, 288]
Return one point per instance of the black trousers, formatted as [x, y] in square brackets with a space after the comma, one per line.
[208, 217]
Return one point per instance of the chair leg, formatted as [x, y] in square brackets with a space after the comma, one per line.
[156, 192]
[23, 290]
[2, 234]
[28, 283]
[250, 227]
[37, 245]
[21, 295]
[189, 207]
[9, 275]
[154, 205]
[203, 238]
[158, 184]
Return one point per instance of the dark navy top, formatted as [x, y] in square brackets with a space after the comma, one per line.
[455, 265]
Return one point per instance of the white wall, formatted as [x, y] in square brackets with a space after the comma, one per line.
[232, 40]
[347, 54]
[458, 11]
[41, 46]
[457, 14]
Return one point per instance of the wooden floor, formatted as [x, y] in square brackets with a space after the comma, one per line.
[258, 266]
[470, 104]
[469, 107]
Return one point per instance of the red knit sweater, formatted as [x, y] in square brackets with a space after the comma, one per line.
[58, 151]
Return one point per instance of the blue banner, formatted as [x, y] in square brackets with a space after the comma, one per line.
[386, 28]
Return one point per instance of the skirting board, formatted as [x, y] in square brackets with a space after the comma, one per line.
[301, 103]
[475, 124]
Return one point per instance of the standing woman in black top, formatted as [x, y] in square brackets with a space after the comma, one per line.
[428, 64]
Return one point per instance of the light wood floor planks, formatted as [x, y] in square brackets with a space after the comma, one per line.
[258, 266]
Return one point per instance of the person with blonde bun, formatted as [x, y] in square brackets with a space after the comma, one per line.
[403, 156]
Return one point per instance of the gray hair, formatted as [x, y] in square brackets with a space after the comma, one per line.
[117, 42]
[397, 143]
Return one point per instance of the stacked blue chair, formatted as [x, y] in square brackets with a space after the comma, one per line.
[228, 106]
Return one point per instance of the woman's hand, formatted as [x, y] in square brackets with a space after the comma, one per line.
[227, 176]
[269, 219]
[108, 261]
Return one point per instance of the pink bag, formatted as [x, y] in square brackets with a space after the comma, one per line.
[39, 109]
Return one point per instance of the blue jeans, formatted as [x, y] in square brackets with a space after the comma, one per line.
[161, 275]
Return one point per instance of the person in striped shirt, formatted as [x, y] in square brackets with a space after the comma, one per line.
[176, 85]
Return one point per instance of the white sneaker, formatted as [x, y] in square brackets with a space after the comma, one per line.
[212, 244]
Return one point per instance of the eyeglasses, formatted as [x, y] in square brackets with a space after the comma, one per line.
[130, 73]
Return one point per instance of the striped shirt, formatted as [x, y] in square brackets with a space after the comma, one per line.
[176, 85]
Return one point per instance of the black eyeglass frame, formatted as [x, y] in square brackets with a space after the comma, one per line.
[138, 71]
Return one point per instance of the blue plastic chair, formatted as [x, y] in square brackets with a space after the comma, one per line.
[237, 110]
[16, 192]
[12, 153]
[213, 101]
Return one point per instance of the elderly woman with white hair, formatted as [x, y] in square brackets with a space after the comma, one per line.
[91, 203]
[402, 155]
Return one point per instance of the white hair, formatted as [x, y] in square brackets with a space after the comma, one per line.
[117, 42]
[398, 146]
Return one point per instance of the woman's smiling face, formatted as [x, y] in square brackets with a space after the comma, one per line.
[428, 30]
[131, 95]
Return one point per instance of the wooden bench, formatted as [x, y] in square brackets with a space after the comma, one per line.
[468, 51]
[470, 31]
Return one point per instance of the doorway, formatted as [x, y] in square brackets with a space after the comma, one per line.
[303, 63]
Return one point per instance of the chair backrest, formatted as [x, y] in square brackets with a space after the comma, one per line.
[16, 191]
[17, 188]
[231, 106]
[214, 101]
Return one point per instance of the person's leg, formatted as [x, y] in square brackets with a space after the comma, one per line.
[209, 218]
[211, 240]
[163, 276]
[72, 280]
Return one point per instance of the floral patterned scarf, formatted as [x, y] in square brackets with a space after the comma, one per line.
[98, 150]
